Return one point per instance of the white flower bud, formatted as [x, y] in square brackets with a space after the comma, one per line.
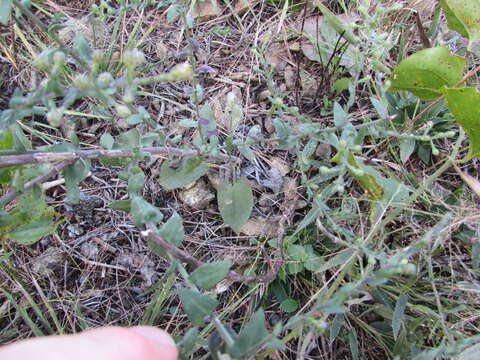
[54, 117]
[104, 80]
[182, 72]
[123, 110]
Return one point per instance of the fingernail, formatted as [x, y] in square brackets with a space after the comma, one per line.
[159, 337]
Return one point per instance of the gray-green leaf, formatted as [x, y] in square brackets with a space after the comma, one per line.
[398, 314]
[5, 9]
[252, 335]
[210, 274]
[235, 203]
[28, 234]
[337, 260]
[172, 231]
[190, 169]
[196, 305]
[143, 212]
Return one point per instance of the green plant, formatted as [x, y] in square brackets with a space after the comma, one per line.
[339, 189]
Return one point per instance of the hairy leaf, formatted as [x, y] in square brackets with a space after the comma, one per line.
[337, 24]
[252, 335]
[235, 203]
[398, 314]
[210, 274]
[426, 71]
[339, 259]
[143, 212]
[74, 174]
[196, 305]
[172, 231]
[28, 234]
[191, 169]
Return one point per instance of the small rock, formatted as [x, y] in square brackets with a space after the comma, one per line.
[142, 264]
[48, 261]
[214, 179]
[161, 50]
[300, 204]
[268, 123]
[290, 188]
[75, 230]
[241, 6]
[290, 77]
[323, 151]
[281, 165]
[258, 227]
[198, 196]
[206, 10]
[89, 250]
[264, 95]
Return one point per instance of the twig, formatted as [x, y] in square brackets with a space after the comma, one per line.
[12, 194]
[42, 157]
[232, 275]
[421, 31]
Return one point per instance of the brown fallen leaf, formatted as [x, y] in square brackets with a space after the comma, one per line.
[205, 10]
[472, 182]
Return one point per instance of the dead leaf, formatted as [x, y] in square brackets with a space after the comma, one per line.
[276, 55]
[472, 182]
[281, 165]
[241, 6]
[198, 196]
[205, 10]
[258, 227]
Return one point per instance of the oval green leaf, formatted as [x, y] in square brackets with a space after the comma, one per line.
[426, 71]
[235, 203]
[208, 275]
[173, 176]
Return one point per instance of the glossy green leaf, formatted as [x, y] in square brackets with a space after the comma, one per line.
[427, 71]
[464, 105]
[235, 203]
[208, 275]
[174, 176]
[253, 334]
[196, 305]
[143, 212]
[5, 10]
[398, 314]
[28, 234]
[463, 16]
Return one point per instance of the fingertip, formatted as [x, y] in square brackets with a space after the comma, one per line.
[159, 338]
